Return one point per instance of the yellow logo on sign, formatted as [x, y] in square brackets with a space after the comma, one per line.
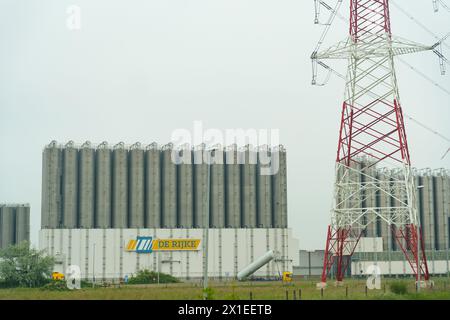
[175, 244]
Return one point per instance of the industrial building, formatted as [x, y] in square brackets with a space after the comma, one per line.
[433, 204]
[118, 253]
[97, 201]
[377, 244]
[310, 263]
[14, 224]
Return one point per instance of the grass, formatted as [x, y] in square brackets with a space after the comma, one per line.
[239, 291]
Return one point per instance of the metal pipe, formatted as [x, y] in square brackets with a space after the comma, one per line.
[255, 265]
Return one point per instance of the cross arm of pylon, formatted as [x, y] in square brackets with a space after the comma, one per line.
[372, 46]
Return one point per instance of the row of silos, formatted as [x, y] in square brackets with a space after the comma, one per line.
[432, 198]
[162, 187]
[434, 203]
[14, 224]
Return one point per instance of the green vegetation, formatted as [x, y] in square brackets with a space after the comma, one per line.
[22, 266]
[57, 285]
[148, 277]
[230, 290]
[209, 293]
[398, 287]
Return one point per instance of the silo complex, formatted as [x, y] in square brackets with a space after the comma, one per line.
[91, 186]
[14, 224]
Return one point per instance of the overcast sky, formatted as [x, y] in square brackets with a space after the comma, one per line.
[138, 70]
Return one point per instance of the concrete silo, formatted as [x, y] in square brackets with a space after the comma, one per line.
[103, 186]
[233, 187]
[169, 187]
[249, 192]
[279, 187]
[200, 186]
[136, 187]
[86, 195]
[22, 223]
[441, 191]
[7, 224]
[217, 196]
[70, 186]
[427, 217]
[385, 202]
[120, 187]
[446, 192]
[185, 187]
[400, 200]
[369, 194]
[419, 196]
[264, 187]
[51, 186]
[153, 186]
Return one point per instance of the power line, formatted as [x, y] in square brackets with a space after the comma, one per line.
[445, 154]
[428, 128]
[334, 13]
[419, 23]
[423, 75]
[444, 5]
[340, 75]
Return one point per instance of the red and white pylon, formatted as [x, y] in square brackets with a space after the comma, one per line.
[372, 133]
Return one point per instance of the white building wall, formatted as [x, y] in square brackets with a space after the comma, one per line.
[396, 267]
[369, 244]
[230, 250]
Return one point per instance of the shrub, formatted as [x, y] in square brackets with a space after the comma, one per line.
[146, 276]
[23, 266]
[398, 287]
[209, 293]
[56, 285]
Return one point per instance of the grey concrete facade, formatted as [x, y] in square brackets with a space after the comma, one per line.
[14, 224]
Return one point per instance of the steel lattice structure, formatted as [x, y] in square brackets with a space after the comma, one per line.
[372, 132]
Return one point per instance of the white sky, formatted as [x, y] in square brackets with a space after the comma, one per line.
[138, 70]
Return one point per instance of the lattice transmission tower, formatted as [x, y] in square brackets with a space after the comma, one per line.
[372, 133]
